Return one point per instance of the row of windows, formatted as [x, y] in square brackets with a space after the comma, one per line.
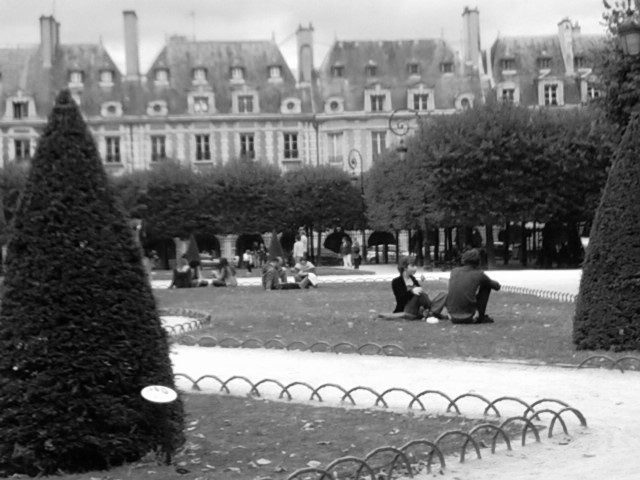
[550, 94]
[335, 146]
[201, 74]
[371, 69]
[202, 152]
[541, 63]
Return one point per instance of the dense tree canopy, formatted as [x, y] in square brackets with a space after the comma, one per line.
[80, 335]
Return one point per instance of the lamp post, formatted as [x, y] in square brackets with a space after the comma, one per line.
[354, 158]
[399, 126]
[629, 33]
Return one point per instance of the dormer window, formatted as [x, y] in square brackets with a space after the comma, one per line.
[371, 70]
[507, 64]
[106, 77]
[20, 109]
[199, 75]
[413, 69]
[161, 76]
[237, 74]
[111, 109]
[291, 105]
[446, 67]
[579, 62]
[544, 63]
[337, 71]
[156, 108]
[200, 104]
[275, 72]
[245, 103]
[76, 78]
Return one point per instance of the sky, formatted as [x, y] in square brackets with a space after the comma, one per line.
[93, 21]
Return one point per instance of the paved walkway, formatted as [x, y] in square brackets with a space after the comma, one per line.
[607, 449]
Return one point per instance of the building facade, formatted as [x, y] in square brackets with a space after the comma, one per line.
[204, 103]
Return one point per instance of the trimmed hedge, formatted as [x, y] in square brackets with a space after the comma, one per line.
[608, 306]
[80, 335]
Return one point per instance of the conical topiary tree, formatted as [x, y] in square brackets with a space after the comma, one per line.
[608, 306]
[80, 335]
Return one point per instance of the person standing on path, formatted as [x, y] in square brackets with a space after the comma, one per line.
[469, 290]
[345, 251]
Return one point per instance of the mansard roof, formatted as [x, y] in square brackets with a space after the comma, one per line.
[181, 56]
[391, 59]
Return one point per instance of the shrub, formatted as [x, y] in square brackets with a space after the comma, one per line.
[80, 335]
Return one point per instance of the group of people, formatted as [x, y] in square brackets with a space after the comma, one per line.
[350, 253]
[465, 301]
[274, 275]
[189, 275]
[254, 257]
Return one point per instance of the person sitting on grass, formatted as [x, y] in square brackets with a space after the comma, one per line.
[186, 277]
[469, 289]
[224, 275]
[274, 277]
[412, 302]
[304, 272]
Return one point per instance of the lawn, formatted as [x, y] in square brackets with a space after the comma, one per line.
[246, 438]
[526, 328]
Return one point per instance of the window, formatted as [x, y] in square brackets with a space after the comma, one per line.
[22, 149]
[337, 71]
[20, 109]
[290, 145]
[335, 148]
[158, 148]
[579, 62]
[199, 75]
[247, 149]
[200, 104]
[275, 71]
[446, 67]
[544, 62]
[420, 101]
[551, 94]
[162, 75]
[237, 73]
[106, 77]
[203, 150]
[508, 95]
[507, 64]
[245, 103]
[413, 69]
[378, 143]
[76, 77]
[377, 102]
[371, 70]
[113, 150]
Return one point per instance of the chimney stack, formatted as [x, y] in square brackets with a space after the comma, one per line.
[304, 37]
[132, 60]
[471, 31]
[565, 36]
[49, 39]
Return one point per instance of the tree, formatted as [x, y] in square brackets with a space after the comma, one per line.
[79, 331]
[608, 306]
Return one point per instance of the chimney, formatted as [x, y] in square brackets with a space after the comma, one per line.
[131, 54]
[471, 32]
[304, 37]
[49, 39]
[565, 36]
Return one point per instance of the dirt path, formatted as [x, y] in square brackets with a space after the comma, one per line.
[608, 399]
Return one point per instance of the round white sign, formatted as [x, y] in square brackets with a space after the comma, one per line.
[159, 394]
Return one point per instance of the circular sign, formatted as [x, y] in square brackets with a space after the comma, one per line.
[159, 394]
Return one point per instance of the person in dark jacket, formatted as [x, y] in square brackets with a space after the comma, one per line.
[469, 289]
[412, 302]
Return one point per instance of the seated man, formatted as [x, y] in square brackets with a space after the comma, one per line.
[469, 289]
[304, 273]
[274, 276]
[412, 302]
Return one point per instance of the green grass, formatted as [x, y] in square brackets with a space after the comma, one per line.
[526, 328]
[229, 437]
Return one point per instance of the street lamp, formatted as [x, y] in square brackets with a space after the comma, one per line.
[399, 126]
[629, 33]
[354, 158]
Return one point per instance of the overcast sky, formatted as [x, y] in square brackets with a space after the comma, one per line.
[89, 21]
